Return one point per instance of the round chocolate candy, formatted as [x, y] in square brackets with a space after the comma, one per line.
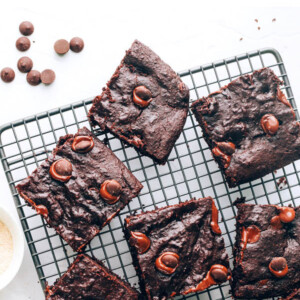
[167, 263]
[83, 144]
[278, 266]
[7, 74]
[142, 96]
[269, 124]
[61, 170]
[34, 77]
[219, 273]
[23, 43]
[140, 241]
[26, 28]
[61, 46]
[76, 44]
[25, 64]
[47, 76]
[110, 191]
[287, 214]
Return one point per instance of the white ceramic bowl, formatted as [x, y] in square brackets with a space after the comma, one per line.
[18, 248]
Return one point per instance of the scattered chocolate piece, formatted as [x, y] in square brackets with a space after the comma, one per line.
[258, 27]
[241, 39]
[281, 182]
[33, 77]
[256, 20]
[23, 43]
[269, 124]
[7, 74]
[274, 20]
[26, 28]
[76, 44]
[25, 64]
[47, 76]
[61, 46]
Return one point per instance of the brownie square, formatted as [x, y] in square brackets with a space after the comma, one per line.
[70, 189]
[145, 103]
[295, 295]
[88, 279]
[250, 127]
[178, 249]
[266, 252]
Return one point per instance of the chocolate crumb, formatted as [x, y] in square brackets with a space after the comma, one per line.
[282, 182]
[274, 20]
[241, 39]
[239, 201]
[258, 27]
[256, 20]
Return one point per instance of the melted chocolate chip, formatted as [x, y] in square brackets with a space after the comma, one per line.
[140, 241]
[278, 263]
[253, 234]
[61, 170]
[114, 188]
[219, 274]
[167, 262]
[269, 124]
[287, 214]
[226, 147]
[23, 43]
[142, 96]
[218, 153]
[26, 28]
[76, 44]
[25, 64]
[7, 75]
[83, 144]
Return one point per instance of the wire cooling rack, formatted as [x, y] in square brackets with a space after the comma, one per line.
[189, 172]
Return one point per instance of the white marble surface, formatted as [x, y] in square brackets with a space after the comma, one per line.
[184, 33]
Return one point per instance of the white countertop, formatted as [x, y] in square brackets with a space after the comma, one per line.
[184, 33]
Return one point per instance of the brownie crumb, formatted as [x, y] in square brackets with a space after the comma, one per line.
[239, 200]
[282, 182]
[256, 20]
[241, 39]
[258, 27]
[274, 20]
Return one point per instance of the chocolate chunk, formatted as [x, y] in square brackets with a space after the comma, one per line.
[226, 147]
[113, 187]
[26, 28]
[142, 96]
[7, 74]
[25, 64]
[76, 44]
[33, 77]
[170, 260]
[83, 144]
[47, 76]
[269, 124]
[278, 263]
[219, 274]
[23, 43]
[287, 214]
[61, 46]
[140, 241]
[61, 170]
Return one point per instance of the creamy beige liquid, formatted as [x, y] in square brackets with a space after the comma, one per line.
[6, 247]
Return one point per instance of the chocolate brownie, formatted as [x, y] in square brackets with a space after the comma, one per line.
[88, 279]
[295, 295]
[250, 127]
[266, 252]
[178, 249]
[79, 188]
[145, 103]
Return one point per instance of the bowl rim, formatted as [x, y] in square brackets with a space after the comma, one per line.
[18, 247]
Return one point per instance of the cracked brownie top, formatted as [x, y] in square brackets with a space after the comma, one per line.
[79, 188]
[250, 127]
[144, 104]
[266, 252]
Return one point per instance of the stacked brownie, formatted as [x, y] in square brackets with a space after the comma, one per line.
[251, 129]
